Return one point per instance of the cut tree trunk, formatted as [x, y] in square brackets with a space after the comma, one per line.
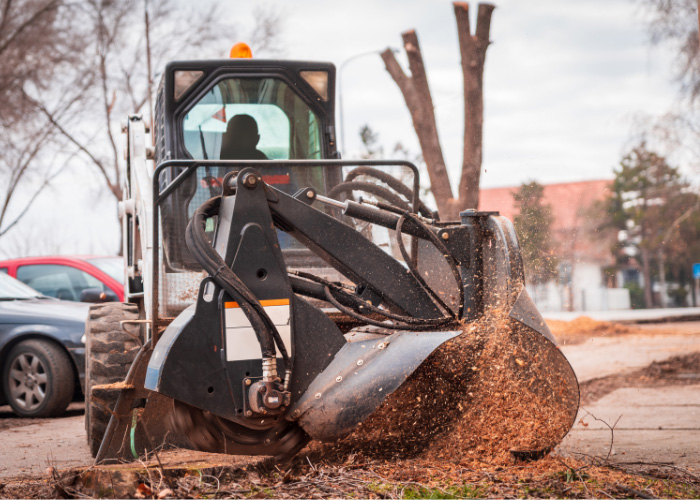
[416, 94]
[473, 52]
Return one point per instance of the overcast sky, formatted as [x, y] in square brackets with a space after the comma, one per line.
[564, 80]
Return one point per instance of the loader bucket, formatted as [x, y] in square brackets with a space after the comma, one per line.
[363, 373]
[499, 386]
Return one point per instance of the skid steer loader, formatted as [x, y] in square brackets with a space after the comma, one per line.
[278, 294]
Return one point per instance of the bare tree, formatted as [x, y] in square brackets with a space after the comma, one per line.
[39, 238]
[416, 93]
[128, 43]
[35, 40]
[676, 22]
[38, 38]
[20, 151]
[265, 36]
[73, 70]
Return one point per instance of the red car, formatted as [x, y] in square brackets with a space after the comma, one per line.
[76, 278]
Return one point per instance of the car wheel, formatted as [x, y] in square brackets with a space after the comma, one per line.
[38, 379]
[109, 352]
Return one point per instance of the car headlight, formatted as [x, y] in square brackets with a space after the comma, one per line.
[83, 339]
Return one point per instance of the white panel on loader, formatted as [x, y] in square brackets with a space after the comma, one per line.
[241, 341]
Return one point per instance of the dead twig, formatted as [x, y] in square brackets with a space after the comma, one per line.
[633, 491]
[612, 430]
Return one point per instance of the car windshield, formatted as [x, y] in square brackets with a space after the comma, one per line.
[12, 289]
[112, 266]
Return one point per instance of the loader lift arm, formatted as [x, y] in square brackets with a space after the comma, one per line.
[249, 208]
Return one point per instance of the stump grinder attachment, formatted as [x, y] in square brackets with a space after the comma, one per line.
[305, 297]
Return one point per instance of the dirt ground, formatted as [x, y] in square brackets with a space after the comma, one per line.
[9, 420]
[636, 437]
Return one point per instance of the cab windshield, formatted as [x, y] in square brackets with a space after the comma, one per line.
[252, 119]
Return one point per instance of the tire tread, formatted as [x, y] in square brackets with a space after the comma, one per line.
[110, 350]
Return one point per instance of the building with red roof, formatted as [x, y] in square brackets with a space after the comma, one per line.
[583, 251]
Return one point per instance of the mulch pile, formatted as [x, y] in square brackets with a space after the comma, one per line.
[583, 328]
[678, 370]
[316, 473]
[498, 392]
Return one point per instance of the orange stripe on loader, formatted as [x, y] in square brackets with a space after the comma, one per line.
[265, 303]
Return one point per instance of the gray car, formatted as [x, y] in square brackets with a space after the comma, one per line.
[42, 350]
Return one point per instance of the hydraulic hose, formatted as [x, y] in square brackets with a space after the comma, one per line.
[348, 303]
[211, 261]
[394, 326]
[392, 182]
[368, 187]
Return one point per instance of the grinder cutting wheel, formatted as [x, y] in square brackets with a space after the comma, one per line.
[305, 297]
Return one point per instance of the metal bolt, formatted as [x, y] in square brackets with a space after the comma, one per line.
[338, 378]
[445, 236]
[262, 389]
[250, 180]
[360, 362]
[381, 345]
[248, 381]
[267, 441]
[310, 194]
[318, 395]
[248, 413]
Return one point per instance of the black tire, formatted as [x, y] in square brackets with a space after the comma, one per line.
[109, 352]
[38, 379]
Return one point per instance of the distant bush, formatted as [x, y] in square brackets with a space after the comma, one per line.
[636, 295]
[678, 296]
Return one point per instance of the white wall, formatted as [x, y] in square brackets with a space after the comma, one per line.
[589, 292]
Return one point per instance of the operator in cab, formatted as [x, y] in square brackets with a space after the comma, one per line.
[240, 140]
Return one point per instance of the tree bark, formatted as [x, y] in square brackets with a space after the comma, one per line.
[662, 279]
[416, 94]
[646, 272]
[473, 52]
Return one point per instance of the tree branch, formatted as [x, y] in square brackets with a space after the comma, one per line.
[26, 24]
[28, 205]
[73, 140]
[5, 14]
[483, 23]
[18, 172]
[395, 70]
[415, 64]
[416, 94]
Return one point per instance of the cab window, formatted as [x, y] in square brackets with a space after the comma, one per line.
[252, 119]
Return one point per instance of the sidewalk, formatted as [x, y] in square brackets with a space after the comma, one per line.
[650, 425]
[654, 424]
[631, 315]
